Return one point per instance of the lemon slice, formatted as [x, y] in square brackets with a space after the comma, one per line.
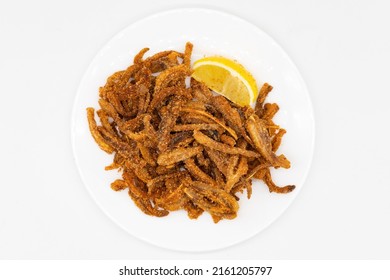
[227, 78]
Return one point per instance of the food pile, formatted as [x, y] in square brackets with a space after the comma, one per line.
[179, 145]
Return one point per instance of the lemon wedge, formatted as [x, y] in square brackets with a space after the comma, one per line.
[226, 77]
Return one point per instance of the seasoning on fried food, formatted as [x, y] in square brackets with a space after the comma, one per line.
[179, 146]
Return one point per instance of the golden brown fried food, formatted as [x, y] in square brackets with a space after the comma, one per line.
[218, 146]
[213, 200]
[177, 155]
[179, 146]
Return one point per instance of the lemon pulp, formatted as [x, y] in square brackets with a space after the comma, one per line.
[226, 77]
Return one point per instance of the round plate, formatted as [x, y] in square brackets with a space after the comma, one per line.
[212, 33]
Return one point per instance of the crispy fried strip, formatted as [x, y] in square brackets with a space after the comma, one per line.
[173, 201]
[144, 98]
[133, 161]
[187, 55]
[162, 178]
[208, 142]
[215, 201]
[179, 154]
[234, 177]
[146, 154]
[167, 123]
[138, 187]
[277, 140]
[190, 118]
[237, 167]
[227, 139]
[229, 113]
[270, 109]
[171, 75]
[264, 91]
[256, 169]
[119, 185]
[93, 128]
[274, 188]
[219, 160]
[211, 117]
[191, 127]
[146, 206]
[104, 120]
[240, 186]
[260, 137]
[139, 56]
[193, 211]
[181, 139]
[202, 160]
[162, 95]
[197, 172]
[162, 60]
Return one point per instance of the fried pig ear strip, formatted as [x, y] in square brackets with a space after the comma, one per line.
[174, 200]
[274, 188]
[264, 91]
[163, 60]
[262, 142]
[140, 197]
[162, 95]
[117, 163]
[235, 175]
[93, 128]
[236, 171]
[240, 186]
[220, 161]
[191, 127]
[146, 206]
[113, 83]
[193, 211]
[124, 127]
[211, 117]
[230, 114]
[164, 177]
[196, 172]
[226, 139]
[181, 139]
[114, 100]
[203, 161]
[138, 188]
[187, 55]
[208, 142]
[179, 154]
[105, 121]
[270, 109]
[218, 175]
[200, 91]
[215, 201]
[143, 98]
[173, 76]
[147, 155]
[277, 140]
[168, 122]
[138, 58]
[119, 185]
[133, 161]
[261, 167]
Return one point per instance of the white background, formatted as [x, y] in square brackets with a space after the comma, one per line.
[342, 49]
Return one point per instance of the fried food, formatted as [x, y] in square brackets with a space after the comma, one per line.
[177, 145]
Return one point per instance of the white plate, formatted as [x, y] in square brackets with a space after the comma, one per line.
[211, 32]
